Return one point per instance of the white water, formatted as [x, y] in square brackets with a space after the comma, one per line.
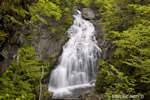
[78, 62]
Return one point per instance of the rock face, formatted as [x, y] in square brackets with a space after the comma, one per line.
[48, 46]
[9, 49]
[104, 44]
[88, 14]
[45, 42]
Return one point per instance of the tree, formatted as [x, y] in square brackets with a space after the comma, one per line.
[126, 24]
[20, 80]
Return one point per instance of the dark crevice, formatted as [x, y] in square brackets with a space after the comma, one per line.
[2, 58]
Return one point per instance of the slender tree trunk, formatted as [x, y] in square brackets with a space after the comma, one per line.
[17, 62]
[41, 83]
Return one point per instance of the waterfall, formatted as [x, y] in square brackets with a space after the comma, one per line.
[78, 63]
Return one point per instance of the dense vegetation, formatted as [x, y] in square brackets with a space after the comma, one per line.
[16, 13]
[21, 80]
[126, 24]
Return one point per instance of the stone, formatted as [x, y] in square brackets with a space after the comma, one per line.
[8, 51]
[92, 82]
[88, 13]
[85, 94]
[105, 45]
[90, 95]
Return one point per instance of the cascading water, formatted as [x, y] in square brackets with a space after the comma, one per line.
[78, 63]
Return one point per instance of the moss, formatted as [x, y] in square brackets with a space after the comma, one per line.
[61, 28]
[53, 30]
[45, 93]
[51, 57]
[3, 35]
[66, 38]
[20, 11]
[31, 36]
[59, 36]
[11, 21]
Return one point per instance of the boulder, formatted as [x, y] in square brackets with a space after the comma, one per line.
[88, 14]
[90, 95]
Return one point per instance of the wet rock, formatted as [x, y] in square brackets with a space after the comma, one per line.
[89, 95]
[88, 13]
[92, 82]
[85, 94]
[105, 45]
[46, 45]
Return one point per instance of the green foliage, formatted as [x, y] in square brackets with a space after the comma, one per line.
[111, 81]
[45, 8]
[55, 13]
[13, 13]
[51, 57]
[21, 78]
[45, 93]
[135, 47]
[59, 36]
[12, 21]
[31, 36]
[67, 7]
[3, 35]
[89, 3]
[20, 11]
[127, 25]
[86, 2]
